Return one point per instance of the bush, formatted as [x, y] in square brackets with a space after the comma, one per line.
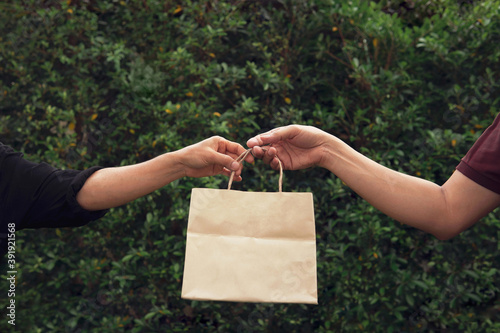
[409, 84]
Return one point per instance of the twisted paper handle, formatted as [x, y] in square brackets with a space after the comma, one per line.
[242, 157]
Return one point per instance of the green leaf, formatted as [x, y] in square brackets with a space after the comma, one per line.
[472, 274]
[473, 297]
[410, 299]
[127, 257]
[420, 284]
[399, 290]
[150, 315]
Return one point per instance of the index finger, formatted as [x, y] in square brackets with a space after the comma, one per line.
[236, 149]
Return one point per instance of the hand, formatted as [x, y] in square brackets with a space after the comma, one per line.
[211, 157]
[113, 187]
[298, 147]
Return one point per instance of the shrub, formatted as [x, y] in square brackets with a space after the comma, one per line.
[410, 84]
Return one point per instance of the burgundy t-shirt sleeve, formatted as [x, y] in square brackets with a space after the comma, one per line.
[482, 163]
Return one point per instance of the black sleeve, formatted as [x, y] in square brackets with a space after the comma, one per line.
[37, 195]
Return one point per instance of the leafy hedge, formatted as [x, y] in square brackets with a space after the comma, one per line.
[411, 84]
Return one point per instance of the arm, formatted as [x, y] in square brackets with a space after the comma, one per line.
[112, 187]
[444, 211]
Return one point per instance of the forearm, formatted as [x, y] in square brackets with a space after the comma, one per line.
[444, 211]
[112, 187]
[410, 200]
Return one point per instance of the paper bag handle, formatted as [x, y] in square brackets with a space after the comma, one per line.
[240, 160]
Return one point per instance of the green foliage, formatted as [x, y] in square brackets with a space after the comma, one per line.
[410, 84]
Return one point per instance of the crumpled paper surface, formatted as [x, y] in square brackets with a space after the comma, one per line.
[250, 247]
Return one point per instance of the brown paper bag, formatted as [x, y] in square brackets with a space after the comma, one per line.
[250, 246]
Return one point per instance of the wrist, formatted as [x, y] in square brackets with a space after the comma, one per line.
[172, 164]
[332, 145]
[179, 162]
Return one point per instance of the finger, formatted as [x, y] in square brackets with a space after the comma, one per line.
[273, 136]
[236, 177]
[234, 150]
[272, 151]
[261, 139]
[255, 141]
[275, 163]
[231, 147]
[269, 154]
[258, 152]
[225, 161]
[249, 158]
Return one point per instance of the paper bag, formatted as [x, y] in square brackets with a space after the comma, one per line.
[250, 247]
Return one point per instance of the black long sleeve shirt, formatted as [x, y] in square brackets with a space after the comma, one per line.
[37, 195]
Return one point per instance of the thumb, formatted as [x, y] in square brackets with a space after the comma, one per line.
[226, 161]
[273, 136]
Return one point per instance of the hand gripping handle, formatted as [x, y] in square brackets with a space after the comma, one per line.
[242, 157]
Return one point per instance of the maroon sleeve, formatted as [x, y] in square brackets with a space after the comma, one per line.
[482, 162]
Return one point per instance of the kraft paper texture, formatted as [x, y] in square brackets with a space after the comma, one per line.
[250, 247]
